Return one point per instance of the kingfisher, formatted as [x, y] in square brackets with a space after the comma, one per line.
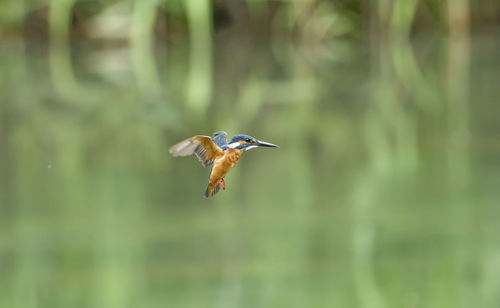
[216, 151]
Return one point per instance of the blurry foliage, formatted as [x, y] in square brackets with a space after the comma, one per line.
[383, 193]
[15, 15]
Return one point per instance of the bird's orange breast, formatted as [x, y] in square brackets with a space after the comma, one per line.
[223, 164]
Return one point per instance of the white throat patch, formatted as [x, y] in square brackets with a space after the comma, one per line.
[250, 147]
[233, 145]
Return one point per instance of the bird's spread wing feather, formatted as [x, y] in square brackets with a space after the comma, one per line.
[202, 146]
[220, 139]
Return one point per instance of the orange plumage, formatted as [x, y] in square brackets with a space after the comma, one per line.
[222, 165]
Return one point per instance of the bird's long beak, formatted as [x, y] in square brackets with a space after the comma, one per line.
[265, 144]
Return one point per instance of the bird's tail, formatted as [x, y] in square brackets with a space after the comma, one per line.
[212, 189]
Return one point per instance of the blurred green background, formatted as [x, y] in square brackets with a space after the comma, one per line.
[384, 193]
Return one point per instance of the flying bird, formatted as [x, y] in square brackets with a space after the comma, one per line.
[216, 151]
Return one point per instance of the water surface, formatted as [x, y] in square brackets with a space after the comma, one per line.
[384, 192]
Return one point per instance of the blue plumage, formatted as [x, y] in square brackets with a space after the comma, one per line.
[241, 137]
[220, 139]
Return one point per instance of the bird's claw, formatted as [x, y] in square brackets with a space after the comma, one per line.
[222, 183]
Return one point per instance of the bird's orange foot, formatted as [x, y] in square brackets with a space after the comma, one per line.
[222, 183]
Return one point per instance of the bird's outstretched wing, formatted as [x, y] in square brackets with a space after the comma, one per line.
[203, 146]
[220, 139]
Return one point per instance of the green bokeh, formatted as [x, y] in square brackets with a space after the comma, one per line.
[384, 192]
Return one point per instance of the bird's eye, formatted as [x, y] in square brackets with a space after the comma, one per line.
[249, 140]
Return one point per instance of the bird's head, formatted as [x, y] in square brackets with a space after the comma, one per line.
[245, 142]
